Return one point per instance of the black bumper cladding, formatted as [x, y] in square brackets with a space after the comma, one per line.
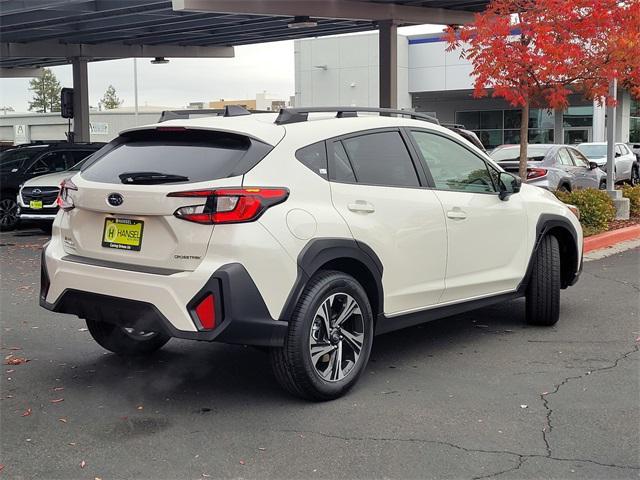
[242, 316]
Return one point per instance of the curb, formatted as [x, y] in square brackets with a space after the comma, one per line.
[608, 239]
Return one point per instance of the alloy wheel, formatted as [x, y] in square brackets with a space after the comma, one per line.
[8, 213]
[337, 337]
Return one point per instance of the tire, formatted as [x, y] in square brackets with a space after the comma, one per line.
[564, 188]
[118, 340]
[8, 214]
[320, 376]
[543, 290]
[603, 185]
[635, 176]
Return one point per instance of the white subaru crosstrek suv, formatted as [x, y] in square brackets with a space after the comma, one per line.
[306, 232]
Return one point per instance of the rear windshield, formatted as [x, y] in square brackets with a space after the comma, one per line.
[511, 154]
[185, 156]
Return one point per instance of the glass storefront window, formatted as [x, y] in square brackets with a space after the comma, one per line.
[470, 120]
[489, 138]
[634, 121]
[578, 117]
[536, 135]
[538, 118]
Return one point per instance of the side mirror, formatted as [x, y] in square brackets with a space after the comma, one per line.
[593, 165]
[617, 154]
[508, 185]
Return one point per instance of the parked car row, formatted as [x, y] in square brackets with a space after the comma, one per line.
[566, 167]
[626, 167]
[30, 177]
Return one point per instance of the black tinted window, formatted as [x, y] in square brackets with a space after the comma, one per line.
[381, 159]
[183, 156]
[314, 157]
[452, 166]
[14, 160]
[341, 170]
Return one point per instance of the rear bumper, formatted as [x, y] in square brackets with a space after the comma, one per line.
[241, 314]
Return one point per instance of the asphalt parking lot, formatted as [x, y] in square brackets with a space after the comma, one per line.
[473, 396]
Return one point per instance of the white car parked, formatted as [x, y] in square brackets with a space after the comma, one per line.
[626, 165]
[304, 232]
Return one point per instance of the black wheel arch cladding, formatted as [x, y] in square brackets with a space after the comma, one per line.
[347, 255]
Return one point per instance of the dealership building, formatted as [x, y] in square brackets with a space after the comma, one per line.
[344, 71]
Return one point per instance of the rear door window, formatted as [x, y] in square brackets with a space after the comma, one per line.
[564, 158]
[151, 157]
[381, 159]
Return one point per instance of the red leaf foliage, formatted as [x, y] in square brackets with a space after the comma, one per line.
[541, 51]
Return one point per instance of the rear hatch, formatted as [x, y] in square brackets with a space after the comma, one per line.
[121, 209]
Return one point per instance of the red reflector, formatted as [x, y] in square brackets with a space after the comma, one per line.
[206, 312]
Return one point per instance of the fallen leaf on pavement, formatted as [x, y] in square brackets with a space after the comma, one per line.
[241, 462]
[13, 360]
[261, 448]
[73, 444]
[140, 407]
[83, 464]
[523, 406]
[63, 420]
[1, 467]
[11, 370]
[57, 400]
[14, 348]
[97, 478]
[26, 413]
[58, 389]
[83, 329]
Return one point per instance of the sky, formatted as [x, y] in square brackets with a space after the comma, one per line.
[255, 68]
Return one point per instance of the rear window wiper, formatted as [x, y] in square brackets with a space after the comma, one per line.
[150, 178]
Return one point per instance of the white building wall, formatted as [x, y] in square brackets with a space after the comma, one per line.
[344, 71]
[51, 126]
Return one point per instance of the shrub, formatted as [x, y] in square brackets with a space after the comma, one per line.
[633, 194]
[596, 208]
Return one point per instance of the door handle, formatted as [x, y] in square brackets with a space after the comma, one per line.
[456, 214]
[361, 207]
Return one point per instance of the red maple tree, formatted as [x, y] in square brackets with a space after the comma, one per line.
[538, 52]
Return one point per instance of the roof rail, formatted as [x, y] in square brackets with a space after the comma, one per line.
[227, 111]
[301, 114]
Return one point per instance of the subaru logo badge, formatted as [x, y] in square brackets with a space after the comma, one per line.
[115, 199]
[36, 191]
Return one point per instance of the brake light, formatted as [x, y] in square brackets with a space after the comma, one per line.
[229, 205]
[536, 173]
[64, 200]
[206, 312]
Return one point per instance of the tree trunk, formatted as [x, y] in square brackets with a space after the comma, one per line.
[524, 141]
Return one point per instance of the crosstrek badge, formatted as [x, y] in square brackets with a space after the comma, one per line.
[122, 233]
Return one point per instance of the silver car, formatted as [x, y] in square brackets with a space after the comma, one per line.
[626, 166]
[554, 167]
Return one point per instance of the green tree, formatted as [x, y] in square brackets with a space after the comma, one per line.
[110, 100]
[46, 92]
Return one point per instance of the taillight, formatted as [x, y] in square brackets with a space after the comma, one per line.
[64, 200]
[536, 173]
[229, 205]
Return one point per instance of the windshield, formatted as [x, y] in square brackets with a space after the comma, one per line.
[512, 154]
[78, 166]
[593, 151]
[14, 160]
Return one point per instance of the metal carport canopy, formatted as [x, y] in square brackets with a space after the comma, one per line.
[41, 33]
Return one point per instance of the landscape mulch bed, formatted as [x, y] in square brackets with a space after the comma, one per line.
[616, 224]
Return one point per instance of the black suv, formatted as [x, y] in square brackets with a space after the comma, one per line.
[23, 162]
